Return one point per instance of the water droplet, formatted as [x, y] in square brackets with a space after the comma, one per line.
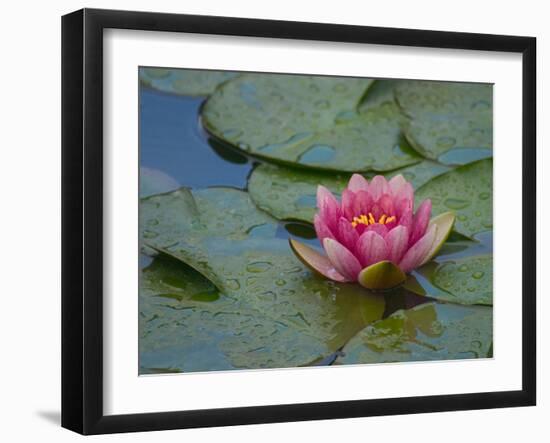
[317, 154]
[274, 121]
[153, 222]
[259, 266]
[477, 275]
[280, 282]
[456, 203]
[313, 87]
[149, 234]
[233, 284]
[481, 105]
[340, 87]
[462, 217]
[244, 146]
[345, 116]
[463, 268]
[446, 142]
[476, 344]
[484, 196]
[232, 133]
[322, 104]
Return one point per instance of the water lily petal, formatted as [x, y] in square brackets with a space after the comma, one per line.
[358, 183]
[329, 208]
[444, 223]
[401, 188]
[406, 218]
[342, 259]
[315, 261]
[421, 220]
[362, 203]
[321, 228]
[377, 187]
[417, 254]
[347, 235]
[381, 275]
[403, 206]
[371, 248]
[398, 242]
[381, 230]
[396, 183]
[386, 204]
[348, 204]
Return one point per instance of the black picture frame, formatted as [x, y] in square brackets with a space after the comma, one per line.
[82, 219]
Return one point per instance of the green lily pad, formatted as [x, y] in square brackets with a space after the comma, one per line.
[468, 192]
[289, 193]
[447, 117]
[466, 281]
[455, 139]
[308, 121]
[193, 82]
[187, 325]
[418, 97]
[380, 93]
[431, 331]
[221, 234]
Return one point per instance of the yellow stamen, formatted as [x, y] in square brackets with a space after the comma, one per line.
[370, 220]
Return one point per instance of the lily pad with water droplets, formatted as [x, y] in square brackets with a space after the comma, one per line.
[465, 281]
[187, 325]
[431, 331]
[191, 82]
[468, 192]
[308, 121]
[289, 193]
[452, 122]
[221, 234]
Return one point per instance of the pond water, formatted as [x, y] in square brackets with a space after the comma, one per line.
[173, 142]
[176, 151]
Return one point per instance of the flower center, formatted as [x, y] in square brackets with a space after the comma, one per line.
[370, 220]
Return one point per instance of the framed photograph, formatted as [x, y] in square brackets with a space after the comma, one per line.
[269, 221]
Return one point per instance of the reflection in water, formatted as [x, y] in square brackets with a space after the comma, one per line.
[461, 156]
[172, 141]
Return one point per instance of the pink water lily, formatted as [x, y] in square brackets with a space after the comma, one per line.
[373, 236]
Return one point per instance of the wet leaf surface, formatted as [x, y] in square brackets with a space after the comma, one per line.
[467, 191]
[190, 82]
[447, 117]
[426, 332]
[466, 281]
[187, 325]
[220, 233]
[308, 121]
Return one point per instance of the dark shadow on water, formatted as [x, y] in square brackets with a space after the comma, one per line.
[54, 417]
[173, 141]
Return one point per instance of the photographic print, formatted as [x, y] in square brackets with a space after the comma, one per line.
[302, 220]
